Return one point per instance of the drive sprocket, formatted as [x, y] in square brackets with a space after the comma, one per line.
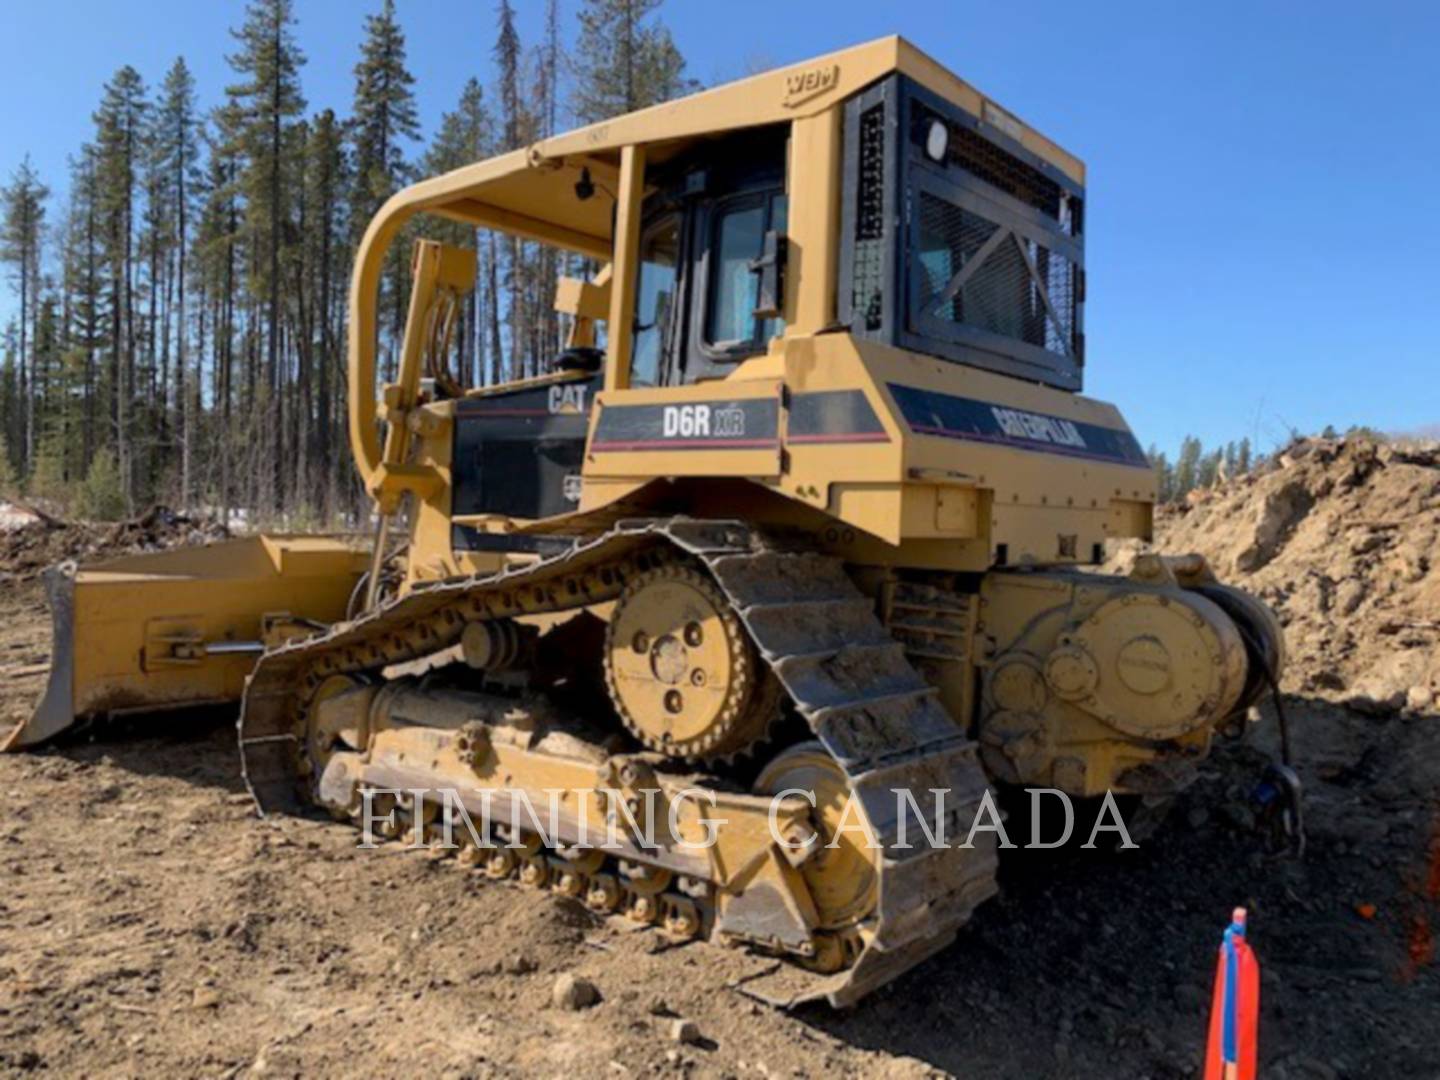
[681, 669]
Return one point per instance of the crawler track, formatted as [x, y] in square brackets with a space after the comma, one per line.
[846, 675]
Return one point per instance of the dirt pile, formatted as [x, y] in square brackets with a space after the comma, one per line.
[1342, 538]
[26, 551]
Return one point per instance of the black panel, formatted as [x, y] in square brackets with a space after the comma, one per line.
[723, 424]
[519, 454]
[833, 416]
[951, 417]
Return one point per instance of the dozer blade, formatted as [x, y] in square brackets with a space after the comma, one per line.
[174, 629]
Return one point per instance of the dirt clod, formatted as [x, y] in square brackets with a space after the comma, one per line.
[685, 1031]
[574, 993]
[26, 551]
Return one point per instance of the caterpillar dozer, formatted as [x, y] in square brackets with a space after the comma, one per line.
[805, 518]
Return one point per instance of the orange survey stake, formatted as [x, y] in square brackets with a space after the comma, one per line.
[1234, 1008]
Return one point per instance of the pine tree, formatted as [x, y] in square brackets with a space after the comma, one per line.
[1164, 474]
[327, 258]
[81, 266]
[384, 119]
[45, 374]
[385, 115]
[626, 60]
[1208, 470]
[550, 69]
[20, 237]
[549, 63]
[219, 248]
[100, 498]
[176, 152]
[7, 471]
[1187, 466]
[49, 394]
[464, 138]
[267, 100]
[10, 403]
[119, 141]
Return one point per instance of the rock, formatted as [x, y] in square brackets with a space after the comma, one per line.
[1366, 542]
[1384, 689]
[1372, 702]
[1275, 517]
[205, 997]
[520, 964]
[1419, 698]
[685, 1031]
[1348, 595]
[1409, 562]
[574, 993]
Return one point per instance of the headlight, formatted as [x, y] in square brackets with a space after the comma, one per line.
[937, 140]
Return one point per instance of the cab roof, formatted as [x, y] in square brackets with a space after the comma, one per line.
[531, 191]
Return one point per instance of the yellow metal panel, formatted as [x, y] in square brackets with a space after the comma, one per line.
[586, 299]
[135, 632]
[813, 184]
[621, 327]
[525, 226]
[792, 92]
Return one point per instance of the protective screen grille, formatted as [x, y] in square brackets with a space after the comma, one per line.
[973, 272]
[1001, 169]
[868, 291]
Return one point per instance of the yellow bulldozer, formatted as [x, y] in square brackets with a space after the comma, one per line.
[807, 513]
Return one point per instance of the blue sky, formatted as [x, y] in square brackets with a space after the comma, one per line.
[1262, 237]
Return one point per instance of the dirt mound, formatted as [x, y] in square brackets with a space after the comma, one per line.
[26, 551]
[1342, 538]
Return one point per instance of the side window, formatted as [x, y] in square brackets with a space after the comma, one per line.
[654, 299]
[737, 239]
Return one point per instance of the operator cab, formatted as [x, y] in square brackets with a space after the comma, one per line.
[960, 237]
[712, 250]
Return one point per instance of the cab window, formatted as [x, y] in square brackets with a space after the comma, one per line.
[737, 239]
[654, 298]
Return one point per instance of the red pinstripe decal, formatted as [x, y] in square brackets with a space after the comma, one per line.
[859, 436]
[687, 444]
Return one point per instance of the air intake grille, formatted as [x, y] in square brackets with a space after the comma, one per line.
[868, 292]
[975, 273]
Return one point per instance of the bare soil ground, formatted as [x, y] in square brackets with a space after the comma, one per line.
[151, 925]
